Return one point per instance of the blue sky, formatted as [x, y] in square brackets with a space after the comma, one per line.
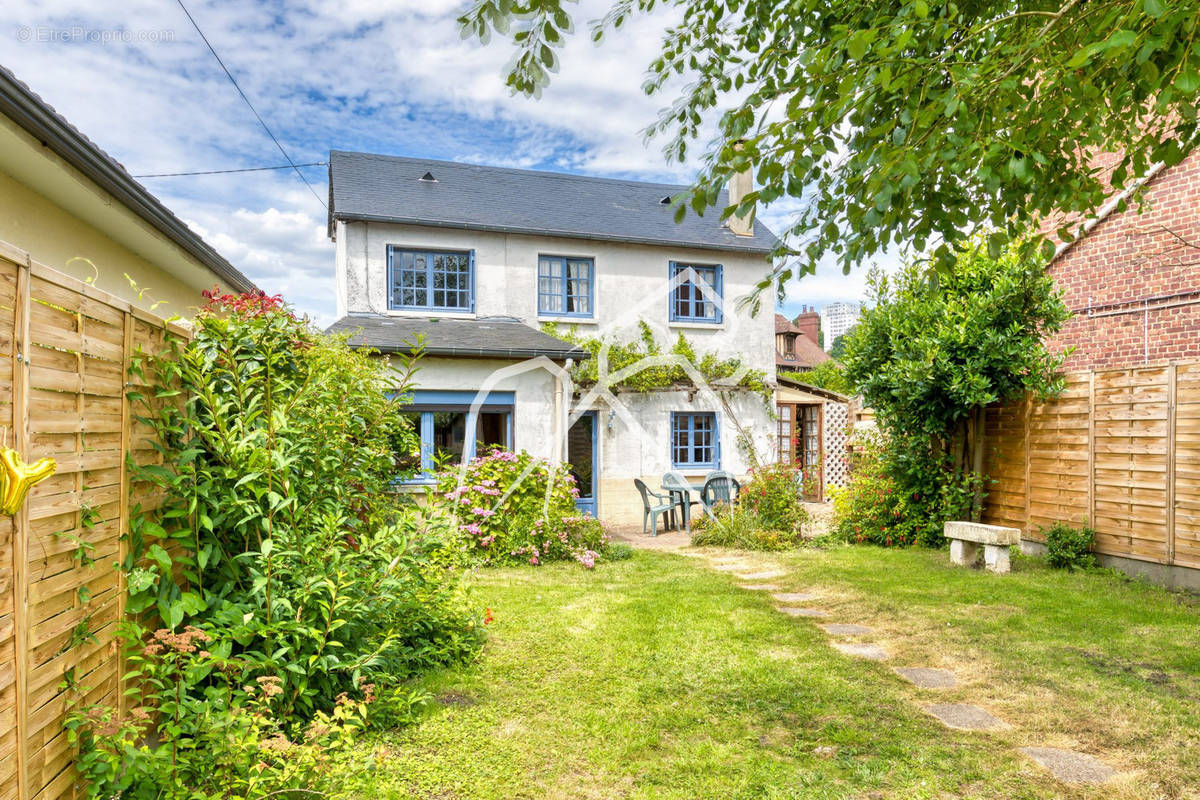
[388, 76]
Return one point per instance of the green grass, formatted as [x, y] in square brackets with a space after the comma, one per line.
[659, 678]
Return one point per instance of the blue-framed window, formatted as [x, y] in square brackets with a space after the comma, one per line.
[431, 280]
[693, 297]
[451, 432]
[566, 286]
[695, 442]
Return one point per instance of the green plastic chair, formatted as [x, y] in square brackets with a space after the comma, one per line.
[652, 510]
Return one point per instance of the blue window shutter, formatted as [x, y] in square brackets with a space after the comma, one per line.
[719, 288]
[716, 441]
[472, 270]
[388, 288]
[672, 270]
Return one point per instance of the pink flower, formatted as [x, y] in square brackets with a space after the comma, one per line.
[473, 529]
[483, 512]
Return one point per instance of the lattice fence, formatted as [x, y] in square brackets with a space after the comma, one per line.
[837, 465]
[65, 350]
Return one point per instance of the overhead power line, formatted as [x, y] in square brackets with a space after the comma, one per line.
[257, 116]
[227, 171]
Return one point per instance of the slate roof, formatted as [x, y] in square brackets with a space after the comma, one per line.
[24, 107]
[379, 188]
[489, 337]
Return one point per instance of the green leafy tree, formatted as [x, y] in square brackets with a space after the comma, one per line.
[838, 349]
[826, 375]
[912, 123]
[933, 352]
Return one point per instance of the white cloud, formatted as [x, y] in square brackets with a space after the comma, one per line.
[392, 77]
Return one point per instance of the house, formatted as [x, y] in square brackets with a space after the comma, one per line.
[797, 346]
[1131, 281]
[476, 259]
[69, 205]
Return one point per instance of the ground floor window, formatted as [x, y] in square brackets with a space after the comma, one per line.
[450, 431]
[694, 440]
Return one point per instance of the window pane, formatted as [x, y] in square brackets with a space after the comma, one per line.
[409, 460]
[449, 435]
[491, 430]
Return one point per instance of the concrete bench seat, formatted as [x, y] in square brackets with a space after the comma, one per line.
[966, 537]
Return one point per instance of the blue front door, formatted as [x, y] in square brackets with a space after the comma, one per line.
[582, 454]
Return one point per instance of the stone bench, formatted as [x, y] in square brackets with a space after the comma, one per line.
[965, 538]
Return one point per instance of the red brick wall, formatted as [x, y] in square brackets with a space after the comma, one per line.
[1133, 282]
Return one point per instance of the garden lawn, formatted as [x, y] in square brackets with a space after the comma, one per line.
[658, 677]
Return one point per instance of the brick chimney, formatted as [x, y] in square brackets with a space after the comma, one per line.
[740, 185]
[809, 323]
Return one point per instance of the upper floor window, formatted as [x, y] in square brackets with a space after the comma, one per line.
[694, 440]
[432, 280]
[695, 290]
[789, 345]
[566, 286]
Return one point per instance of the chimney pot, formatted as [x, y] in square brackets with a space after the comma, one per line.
[740, 185]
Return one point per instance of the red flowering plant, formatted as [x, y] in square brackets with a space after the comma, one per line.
[774, 495]
[514, 508]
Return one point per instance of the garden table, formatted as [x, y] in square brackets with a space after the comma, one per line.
[681, 494]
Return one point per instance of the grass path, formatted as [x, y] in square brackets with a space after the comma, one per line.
[660, 678]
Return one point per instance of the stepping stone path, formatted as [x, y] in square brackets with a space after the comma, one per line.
[1066, 766]
[871, 652]
[1069, 766]
[801, 612]
[928, 678]
[964, 717]
[761, 576]
[793, 597]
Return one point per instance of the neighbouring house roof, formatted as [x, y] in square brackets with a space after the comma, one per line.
[815, 390]
[25, 108]
[494, 337]
[807, 353]
[378, 188]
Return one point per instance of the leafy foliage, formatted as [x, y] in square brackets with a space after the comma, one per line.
[919, 122]
[769, 514]
[894, 499]
[826, 375]
[932, 351]
[278, 546]
[514, 508]
[643, 366]
[838, 348]
[1069, 548]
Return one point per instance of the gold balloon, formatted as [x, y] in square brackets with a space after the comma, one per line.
[17, 478]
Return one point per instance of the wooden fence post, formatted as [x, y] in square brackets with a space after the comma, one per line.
[20, 410]
[123, 505]
[1172, 392]
[1028, 414]
[1091, 473]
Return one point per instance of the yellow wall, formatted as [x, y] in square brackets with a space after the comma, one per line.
[63, 220]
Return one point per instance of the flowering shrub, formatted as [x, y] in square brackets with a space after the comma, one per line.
[735, 526]
[897, 498]
[773, 495]
[219, 722]
[514, 508]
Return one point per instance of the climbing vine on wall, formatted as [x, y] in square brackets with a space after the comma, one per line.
[654, 368]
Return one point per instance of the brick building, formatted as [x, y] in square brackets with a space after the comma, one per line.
[1132, 281]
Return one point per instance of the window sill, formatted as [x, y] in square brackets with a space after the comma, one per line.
[568, 319]
[704, 326]
[416, 313]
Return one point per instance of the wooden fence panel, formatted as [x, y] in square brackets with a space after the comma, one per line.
[65, 352]
[1119, 450]
[1187, 465]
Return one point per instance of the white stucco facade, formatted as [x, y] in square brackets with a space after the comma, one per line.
[632, 284]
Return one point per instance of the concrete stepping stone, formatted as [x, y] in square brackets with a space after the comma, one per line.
[871, 652]
[964, 717]
[794, 597]
[761, 576]
[759, 587]
[928, 678]
[733, 567]
[844, 629]
[801, 612]
[1069, 766]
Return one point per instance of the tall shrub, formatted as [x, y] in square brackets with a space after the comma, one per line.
[936, 349]
[279, 449]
